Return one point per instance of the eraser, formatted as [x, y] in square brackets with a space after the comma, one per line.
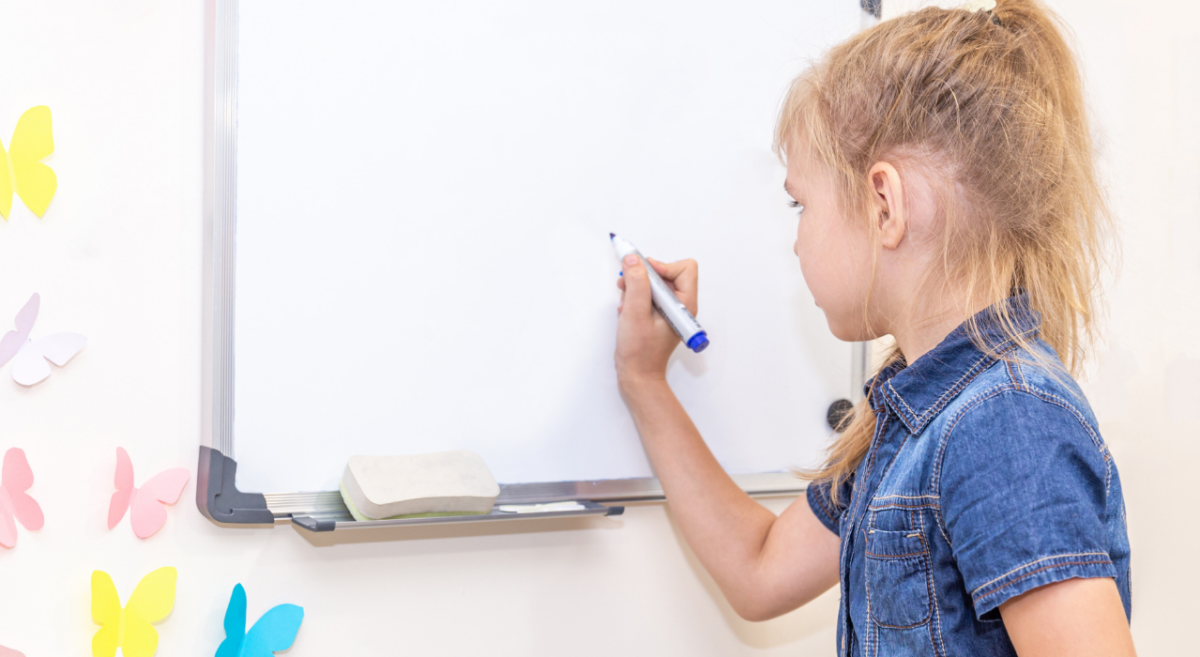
[443, 483]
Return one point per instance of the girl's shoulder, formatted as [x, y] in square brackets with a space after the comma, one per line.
[1027, 387]
[1026, 412]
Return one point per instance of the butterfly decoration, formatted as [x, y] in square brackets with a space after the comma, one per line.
[9, 652]
[32, 142]
[29, 356]
[129, 627]
[274, 631]
[15, 503]
[145, 504]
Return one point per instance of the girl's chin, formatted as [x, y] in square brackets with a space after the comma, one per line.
[847, 330]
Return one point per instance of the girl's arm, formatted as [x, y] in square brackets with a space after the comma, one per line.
[1068, 618]
[765, 565]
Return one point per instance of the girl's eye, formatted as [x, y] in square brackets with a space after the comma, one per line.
[796, 204]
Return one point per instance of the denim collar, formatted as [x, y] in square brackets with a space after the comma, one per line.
[917, 393]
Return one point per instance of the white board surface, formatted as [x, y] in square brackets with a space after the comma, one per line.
[425, 192]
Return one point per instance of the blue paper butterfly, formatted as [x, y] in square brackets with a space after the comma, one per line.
[275, 631]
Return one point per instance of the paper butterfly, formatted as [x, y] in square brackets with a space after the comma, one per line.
[145, 504]
[130, 628]
[275, 630]
[9, 652]
[32, 142]
[14, 502]
[29, 366]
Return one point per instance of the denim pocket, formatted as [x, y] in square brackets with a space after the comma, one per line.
[897, 578]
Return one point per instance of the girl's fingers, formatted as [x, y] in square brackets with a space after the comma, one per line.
[637, 287]
[683, 275]
[678, 272]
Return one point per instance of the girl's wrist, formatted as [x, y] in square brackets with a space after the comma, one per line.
[639, 383]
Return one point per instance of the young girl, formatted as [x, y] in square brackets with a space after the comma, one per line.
[942, 167]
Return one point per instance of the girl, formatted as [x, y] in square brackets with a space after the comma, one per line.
[943, 171]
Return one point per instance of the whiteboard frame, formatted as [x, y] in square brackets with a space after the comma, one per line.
[216, 494]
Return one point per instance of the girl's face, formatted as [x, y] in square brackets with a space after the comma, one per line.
[834, 250]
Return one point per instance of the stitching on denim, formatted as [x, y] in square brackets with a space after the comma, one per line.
[855, 496]
[983, 395]
[1097, 440]
[913, 416]
[887, 470]
[927, 566]
[881, 507]
[824, 508]
[934, 408]
[895, 556]
[1011, 374]
[1031, 573]
[941, 525]
[944, 441]
[932, 586]
[962, 383]
[1052, 398]
[880, 430]
[1001, 350]
[899, 627]
[968, 405]
[1037, 561]
[906, 497]
[867, 580]
[998, 353]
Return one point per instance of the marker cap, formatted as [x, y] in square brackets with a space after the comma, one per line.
[698, 342]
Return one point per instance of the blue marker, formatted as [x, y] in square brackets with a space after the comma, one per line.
[672, 309]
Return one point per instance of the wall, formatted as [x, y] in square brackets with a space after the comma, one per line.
[1143, 68]
[117, 258]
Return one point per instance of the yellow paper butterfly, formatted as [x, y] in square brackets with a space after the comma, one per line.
[21, 168]
[130, 628]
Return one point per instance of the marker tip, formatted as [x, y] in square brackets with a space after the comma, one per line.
[611, 235]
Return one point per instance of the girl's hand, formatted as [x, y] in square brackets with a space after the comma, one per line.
[644, 338]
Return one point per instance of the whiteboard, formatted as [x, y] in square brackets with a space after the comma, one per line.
[424, 193]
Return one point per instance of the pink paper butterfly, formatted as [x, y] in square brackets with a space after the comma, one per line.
[14, 502]
[30, 366]
[145, 504]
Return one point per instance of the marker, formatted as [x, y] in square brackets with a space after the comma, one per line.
[672, 309]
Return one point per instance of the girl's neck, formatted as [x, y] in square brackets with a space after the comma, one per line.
[925, 328]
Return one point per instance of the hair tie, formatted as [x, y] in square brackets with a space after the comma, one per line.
[982, 5]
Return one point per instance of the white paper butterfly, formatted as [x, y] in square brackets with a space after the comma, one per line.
[29, 366]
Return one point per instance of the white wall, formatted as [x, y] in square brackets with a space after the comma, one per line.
[117, 257]
[1143, 66]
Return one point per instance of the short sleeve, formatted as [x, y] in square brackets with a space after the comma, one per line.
[823, 507]
[1023, 487]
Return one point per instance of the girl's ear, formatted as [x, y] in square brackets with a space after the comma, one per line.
[888, 212]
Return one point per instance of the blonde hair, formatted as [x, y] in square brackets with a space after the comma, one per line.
[990, 103]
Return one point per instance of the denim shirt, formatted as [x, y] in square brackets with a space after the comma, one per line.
[986, 478]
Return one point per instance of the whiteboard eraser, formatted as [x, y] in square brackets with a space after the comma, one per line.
[449, 483]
